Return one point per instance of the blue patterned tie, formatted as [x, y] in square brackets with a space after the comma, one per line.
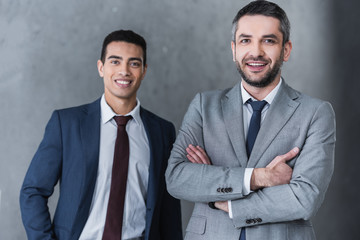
[254, 127]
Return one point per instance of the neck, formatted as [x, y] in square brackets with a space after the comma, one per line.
[121, 106]
[259, 93]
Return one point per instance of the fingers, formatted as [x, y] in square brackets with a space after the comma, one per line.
[192, 156]
[197, 155]
[290, 155]
[191, 159]
[285, 157]
[222, 206]
[201, 150]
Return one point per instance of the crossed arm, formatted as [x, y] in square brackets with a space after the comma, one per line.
[280, 193]
[277, 172]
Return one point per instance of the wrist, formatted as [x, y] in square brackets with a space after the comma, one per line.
[257, 180]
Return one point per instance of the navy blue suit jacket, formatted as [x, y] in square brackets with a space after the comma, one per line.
[69, 153]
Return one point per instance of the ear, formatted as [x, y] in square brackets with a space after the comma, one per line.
[100, 67]
[287, 50]
[233, 46]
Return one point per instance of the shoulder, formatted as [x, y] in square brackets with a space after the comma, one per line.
[319, 107]
[308, 103]
[146, 115]
[213, 98]
[76, 111]
[214, 94]
[157, 125]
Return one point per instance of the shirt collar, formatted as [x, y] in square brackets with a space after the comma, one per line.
[107, 113]
[269, 98]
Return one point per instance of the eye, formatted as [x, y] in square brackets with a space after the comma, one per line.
[244, 41]
[135, 64]
[270, 41]
[115, 62]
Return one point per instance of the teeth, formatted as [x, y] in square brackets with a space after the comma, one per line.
[122, 82]
[256, 64]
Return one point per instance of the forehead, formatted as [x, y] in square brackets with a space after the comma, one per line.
[123, 49]
[258, 25]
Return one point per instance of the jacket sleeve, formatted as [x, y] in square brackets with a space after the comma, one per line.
[170, 223]
[302, 197]
[38, 186]
[199, 182]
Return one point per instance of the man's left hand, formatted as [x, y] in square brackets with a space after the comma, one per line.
[222, 206]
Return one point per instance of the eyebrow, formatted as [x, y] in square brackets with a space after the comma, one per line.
[135, 59]
[273, 36]
[116, 57]
[244, 35]
[130, 59]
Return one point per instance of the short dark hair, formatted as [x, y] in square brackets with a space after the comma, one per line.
[124, 36]
[265, 8]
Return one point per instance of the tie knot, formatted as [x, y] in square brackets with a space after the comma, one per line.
[122, 120]
[257, 105]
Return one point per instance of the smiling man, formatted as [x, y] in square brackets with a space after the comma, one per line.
[109, 157]
[257, 158]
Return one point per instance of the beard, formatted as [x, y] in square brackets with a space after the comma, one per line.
[269, 76]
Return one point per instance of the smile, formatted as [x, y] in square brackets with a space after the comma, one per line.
[124, 82]
[256, 67]
[256, 64]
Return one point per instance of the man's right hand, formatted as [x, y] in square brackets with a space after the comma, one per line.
[277, 172]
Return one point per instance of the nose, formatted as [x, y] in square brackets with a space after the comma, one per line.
[256, 50]
[123, 70]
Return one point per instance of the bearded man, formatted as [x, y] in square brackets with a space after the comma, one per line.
[257, 158]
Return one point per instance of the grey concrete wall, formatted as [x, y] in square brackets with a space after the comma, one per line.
[48, 54]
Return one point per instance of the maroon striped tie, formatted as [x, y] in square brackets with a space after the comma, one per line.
[115, 209]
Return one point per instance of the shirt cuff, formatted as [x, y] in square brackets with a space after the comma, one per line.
[230, 209]
[246, 187]
[247, 179]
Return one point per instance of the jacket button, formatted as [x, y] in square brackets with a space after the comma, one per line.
[249, 221]
[218, 190]
[259, 220]
[230, 189]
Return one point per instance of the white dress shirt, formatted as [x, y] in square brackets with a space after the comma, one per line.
[137, 182]
[247, 113]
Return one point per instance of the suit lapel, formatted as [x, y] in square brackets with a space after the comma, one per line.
[279, 113]
[90, 139]
[154, 134]
[233, 118]
[90, 142]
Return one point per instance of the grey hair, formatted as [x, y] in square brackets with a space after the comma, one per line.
[265, 8]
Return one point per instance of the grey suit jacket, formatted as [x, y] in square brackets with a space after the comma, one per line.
[214, 121]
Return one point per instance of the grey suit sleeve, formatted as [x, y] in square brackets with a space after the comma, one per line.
[199, 182]
[311, 176]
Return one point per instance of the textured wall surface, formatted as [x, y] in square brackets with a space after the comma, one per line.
[48, 54]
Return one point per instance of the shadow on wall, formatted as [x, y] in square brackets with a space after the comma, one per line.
[337, 218]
